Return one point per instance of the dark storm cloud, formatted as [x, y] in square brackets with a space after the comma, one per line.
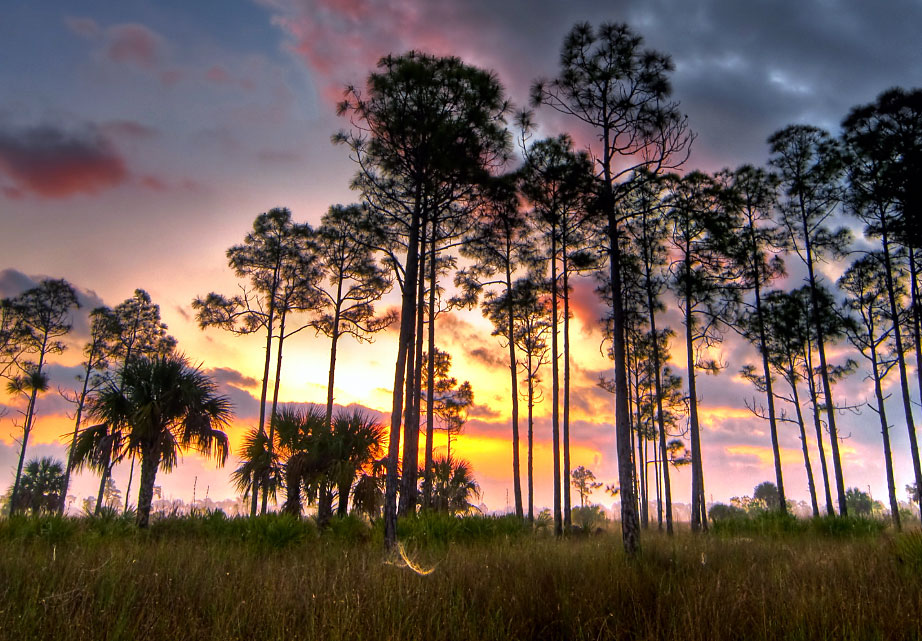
[56, 162]
[743, 69]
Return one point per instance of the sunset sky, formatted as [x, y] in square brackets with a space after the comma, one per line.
[139, 140]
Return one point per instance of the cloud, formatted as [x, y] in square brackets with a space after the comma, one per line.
[232, 377]
[128, 130]
[14, 282]
[279, 156]
[51, 161]
[134, 44]
[83, 27]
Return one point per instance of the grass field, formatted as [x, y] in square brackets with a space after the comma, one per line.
[278, 578]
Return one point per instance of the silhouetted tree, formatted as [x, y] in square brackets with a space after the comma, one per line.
[873, 332]
[97, 353]
[40, 486]
[584, 481]
[41, 317]
[423, 132]
[499, 242]
[704, 281]
[453, 486]
[611, 84]
[137, 331]
[809, 165]
[555, 180]
[164, 405]
[268, 253]
[752, 192]
[353, 283]
[873, 164]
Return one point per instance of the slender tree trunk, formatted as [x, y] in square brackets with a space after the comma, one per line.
[150, 462]
[699, 507]
[531, 432]
[407, 504]
[567, 521]
[885, 434]
[407, 332]
[270, 327]
[27, 427]
[78, 418]
[513, 374]
[824, 376]
[916, 315]
[430, 401]
[128, 489]
[814, 401]
[770, 397]
[106, 472]
[811, 486]
[555, 387]
[901, 362]
[270, 443]
[334, 340]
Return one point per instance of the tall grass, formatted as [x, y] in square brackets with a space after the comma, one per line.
[276, 578]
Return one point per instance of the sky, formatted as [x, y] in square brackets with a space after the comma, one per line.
[139, 140]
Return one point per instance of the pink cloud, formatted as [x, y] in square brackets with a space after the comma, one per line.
[128, 129]
[51, 162]
[218, 75]
[154, 183]
[134, 44]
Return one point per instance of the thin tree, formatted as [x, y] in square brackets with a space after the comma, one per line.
[554, 181]
[868, 288]
[423, 131]
[97, 354]
[752, 192]
[610, 83]
[353, 282]
[809, 165]
[260, 259]
[873, 168]
[704, 281]
[43, 316]
[499, 243]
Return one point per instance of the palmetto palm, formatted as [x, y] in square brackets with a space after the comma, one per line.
[305, 454]
[257, 464]
[41, 485]
[359, 440]
[163, 406]
[453, 485]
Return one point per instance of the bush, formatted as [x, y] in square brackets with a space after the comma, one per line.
[588, 518]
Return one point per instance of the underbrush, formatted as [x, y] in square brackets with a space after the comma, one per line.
[212, 577]
[765, 523]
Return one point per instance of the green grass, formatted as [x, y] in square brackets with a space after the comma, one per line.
[211, 577]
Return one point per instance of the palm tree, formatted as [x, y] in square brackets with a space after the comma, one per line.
[258, 466]
[164, 406]
[40, 486]
[359, 441]
[453, 486]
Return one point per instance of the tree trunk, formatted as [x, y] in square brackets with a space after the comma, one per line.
[407, 331]
[150, 463]
[531, 433]
[407, 504]
[567, 521]
[803, 440]
[698, 508]
[901, 363]
[824, 376]
[78, 418]
[630, 526]
[555, 387]
[770, 398]
[270, 443]
[513, 374]
[331, 375]
[814, 401]
[128, 489]
[885, 433]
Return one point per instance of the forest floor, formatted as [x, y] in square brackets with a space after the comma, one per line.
[278, 578]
